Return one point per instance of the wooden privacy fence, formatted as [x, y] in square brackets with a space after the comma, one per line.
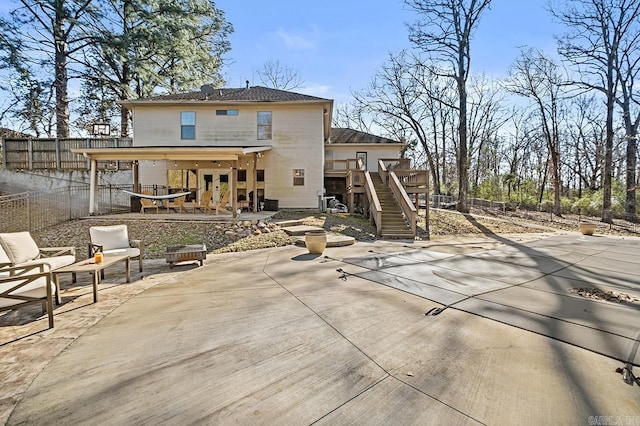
[33, 154]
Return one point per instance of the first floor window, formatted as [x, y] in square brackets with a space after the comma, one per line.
[298, 177]
[187, 125]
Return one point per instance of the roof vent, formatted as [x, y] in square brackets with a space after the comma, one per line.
[247, 84]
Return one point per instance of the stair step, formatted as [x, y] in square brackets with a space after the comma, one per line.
[394, 225]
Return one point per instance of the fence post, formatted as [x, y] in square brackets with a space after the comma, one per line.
[69, 203]
[29, 211]
[30, 154]
[58, 159]
[4, 153]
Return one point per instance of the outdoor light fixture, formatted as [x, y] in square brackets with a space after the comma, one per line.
[196, 164]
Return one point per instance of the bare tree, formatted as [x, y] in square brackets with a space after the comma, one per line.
[406, 98]
[278, 76]
[585, 142]
[351, 115]
[444, 31]
[486, 117]
[517, 153]
[600, 35]
[537, 78]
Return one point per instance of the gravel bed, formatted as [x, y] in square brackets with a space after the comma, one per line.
[157, 235]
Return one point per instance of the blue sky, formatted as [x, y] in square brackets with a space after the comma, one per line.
[336, 46]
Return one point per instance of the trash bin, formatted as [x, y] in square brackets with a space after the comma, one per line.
[136, 206]
[271, 205]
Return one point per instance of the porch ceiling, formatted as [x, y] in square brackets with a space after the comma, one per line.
[168, 153]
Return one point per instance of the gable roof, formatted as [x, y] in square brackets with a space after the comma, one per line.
[208, 94]
[350, 136]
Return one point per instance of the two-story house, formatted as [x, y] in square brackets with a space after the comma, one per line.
[255, 141]
[268, 147]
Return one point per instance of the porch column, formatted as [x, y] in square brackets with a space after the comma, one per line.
[234, 190]
[136, 176]
[254, 182]
[92, 187]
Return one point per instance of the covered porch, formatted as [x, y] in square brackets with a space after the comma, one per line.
[205, 162]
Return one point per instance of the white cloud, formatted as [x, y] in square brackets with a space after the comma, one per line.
[298, 41]
[315, 89]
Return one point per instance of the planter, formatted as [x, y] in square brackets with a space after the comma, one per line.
[587, 228]
[316, 241]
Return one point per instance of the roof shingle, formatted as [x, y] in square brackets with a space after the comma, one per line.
[248, 94]
[342, 135]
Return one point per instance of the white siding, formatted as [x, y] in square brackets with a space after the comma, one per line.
[374, 152]
[297, 143]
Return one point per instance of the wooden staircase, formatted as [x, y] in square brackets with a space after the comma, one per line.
[394, 225]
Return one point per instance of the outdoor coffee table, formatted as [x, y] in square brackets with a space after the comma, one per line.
[197, 252]
[94, 268]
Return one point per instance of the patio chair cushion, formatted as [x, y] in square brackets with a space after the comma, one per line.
[110, 237]
[129, 251]
[4, 257]
[55, 262]
[19, 246]
[36, 289]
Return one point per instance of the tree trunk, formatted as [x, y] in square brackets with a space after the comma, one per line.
[632, 163]
[557, 186]
[607, 216]
[463, 162]
[61, 78]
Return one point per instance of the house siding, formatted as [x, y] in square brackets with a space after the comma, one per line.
[374, 152]
[297, 143]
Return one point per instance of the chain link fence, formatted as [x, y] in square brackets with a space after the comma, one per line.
[33, 211]
[622, 222]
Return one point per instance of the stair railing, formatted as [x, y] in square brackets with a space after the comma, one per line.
[409, 210]
[375, 208]
[383, 172]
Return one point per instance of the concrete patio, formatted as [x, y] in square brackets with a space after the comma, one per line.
[279, 336]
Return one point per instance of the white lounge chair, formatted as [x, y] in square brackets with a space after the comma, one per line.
[19, 249]
[26, 285]
[114, 239]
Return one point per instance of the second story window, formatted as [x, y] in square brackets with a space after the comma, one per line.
[187, 125]
[264, 125]
[226, 112]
